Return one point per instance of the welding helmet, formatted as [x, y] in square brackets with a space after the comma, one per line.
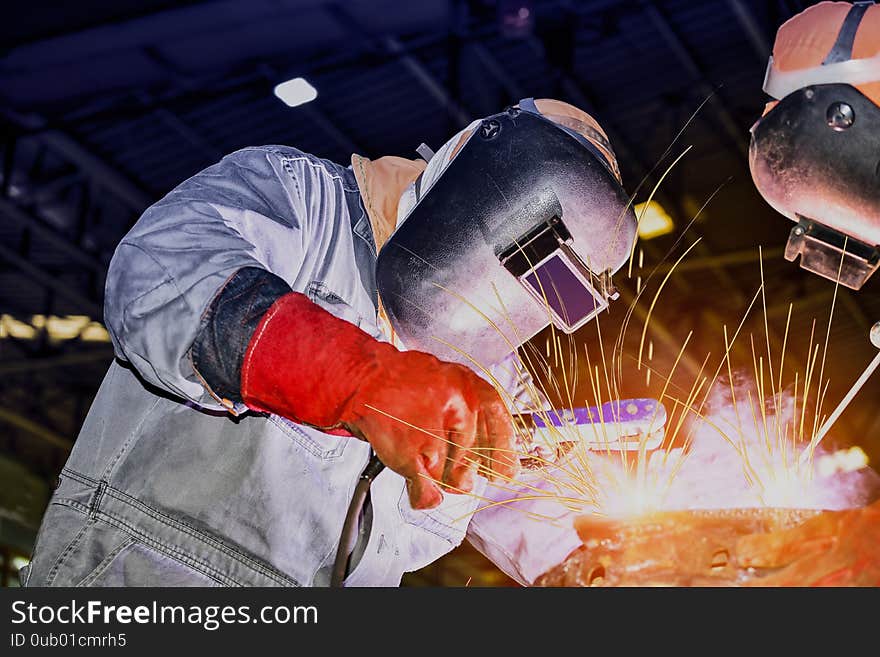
[518, 222]
[815, 153]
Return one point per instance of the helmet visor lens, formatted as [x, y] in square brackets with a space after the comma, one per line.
[567, 292]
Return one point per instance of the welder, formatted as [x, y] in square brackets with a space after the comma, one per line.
[280, 321]
[815, 157]
[815, 153]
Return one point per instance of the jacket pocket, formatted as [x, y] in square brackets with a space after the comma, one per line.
[84, 551]
[61, 531]
[134, 564]
[448, 521]
[323, 446]
[320, 293]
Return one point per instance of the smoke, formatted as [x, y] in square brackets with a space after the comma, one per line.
[742, 453]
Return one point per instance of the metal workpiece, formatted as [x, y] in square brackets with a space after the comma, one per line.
[672, 548]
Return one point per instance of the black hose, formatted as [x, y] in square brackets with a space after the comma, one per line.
[348, 538]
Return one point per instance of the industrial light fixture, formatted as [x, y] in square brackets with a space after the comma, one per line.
[654, 221]
[57, 329]
[295, 92]
[516, 18]
[18, 562]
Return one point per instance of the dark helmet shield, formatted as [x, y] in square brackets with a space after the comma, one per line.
[523, 228]
[815, 157]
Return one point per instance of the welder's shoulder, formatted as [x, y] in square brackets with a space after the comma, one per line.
[270, 180]
[257, 178]
[293, 160]
[302, 175]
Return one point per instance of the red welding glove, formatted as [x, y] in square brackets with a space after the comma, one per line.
[835, 548]
[430, 421]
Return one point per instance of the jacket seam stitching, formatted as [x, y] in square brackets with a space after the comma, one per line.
[74, 542]
[193, 533]
[105, 562]
[428, 523]
[286, 159]
[168, 278]
[181, 526]
[95, 502]
[368, 240]
[290, 428]
[134, 437]
[162, 547]
[302, 157]
[166, 549]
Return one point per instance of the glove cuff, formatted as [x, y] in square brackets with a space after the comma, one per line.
[305, 364]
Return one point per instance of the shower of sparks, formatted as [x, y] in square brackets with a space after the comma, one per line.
[740, 452]
[733, 445]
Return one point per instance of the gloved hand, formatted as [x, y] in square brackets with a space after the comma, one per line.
[835, 548]
[426, 419]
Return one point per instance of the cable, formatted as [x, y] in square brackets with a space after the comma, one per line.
[348, 538]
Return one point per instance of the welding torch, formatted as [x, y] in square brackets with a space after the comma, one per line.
[807, 454]
[626, 425]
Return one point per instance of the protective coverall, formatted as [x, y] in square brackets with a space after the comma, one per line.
[169, 482]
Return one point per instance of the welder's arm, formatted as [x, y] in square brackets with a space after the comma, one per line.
[185, 250]
[522, 526]
[520, 391]
[428, 420]
[525, 528]
[836, 548]
[243, 225]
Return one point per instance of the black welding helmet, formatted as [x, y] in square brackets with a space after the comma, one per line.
[519, 221]
[815, 154]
